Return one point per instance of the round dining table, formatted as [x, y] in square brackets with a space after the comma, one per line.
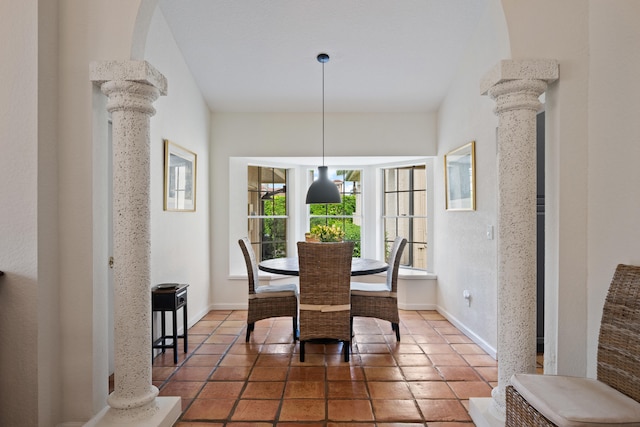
[289, 266]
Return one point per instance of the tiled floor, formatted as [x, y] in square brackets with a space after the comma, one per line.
[426, 379]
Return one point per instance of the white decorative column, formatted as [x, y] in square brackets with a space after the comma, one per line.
[515, 86]
[131, 88]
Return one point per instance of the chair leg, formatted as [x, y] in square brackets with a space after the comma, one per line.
[249, 329]
[347, 345]
[302, 351]
[351, 326]
[295, 329]
[396, 328]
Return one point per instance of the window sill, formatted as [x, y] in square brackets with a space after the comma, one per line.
[410, 274]
[403, 273]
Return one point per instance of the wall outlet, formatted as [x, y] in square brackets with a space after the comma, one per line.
[489, 232]
[467, 296]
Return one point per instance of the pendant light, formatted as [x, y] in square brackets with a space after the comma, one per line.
[323, 190]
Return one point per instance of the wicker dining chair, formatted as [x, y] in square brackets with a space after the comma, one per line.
[380, 300]
[325, 272]
[611, 399]
[266, 301]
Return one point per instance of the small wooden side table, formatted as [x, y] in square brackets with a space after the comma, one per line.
[169, 297]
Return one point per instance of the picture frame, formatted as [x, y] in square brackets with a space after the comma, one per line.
[180, 169]
[460, 178]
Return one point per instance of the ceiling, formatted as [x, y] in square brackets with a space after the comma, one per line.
[260, 55]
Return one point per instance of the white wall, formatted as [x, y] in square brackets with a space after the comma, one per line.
[19, 214]
[465, 258]
[274, 135]
[179, 240]
[613, 152]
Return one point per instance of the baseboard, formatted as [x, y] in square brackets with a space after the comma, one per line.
[468, 332]
[417, 307]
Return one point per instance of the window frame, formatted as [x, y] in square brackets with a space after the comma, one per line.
[411, 215]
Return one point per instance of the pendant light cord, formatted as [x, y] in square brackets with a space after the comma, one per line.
[323, 114]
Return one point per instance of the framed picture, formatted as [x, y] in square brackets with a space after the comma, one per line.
[179, 178]
[460, 178]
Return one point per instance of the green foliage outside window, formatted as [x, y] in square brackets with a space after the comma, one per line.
[346, 208]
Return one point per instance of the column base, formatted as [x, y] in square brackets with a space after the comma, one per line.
[481, 414]
[167, 413]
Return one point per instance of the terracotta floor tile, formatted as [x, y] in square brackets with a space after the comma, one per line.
[434, 338]
[345, 373]
[431, 390]
[166, 358]
[413, 360]
[441, 348]
[217, 315]
[432, 372]
[197, 424]
[203, 360]
[345, 424]
[480, 360]
[302, 410]
[347, 390]
[249, 424]
[272, 360]
[231, 323]
[245, 348]
[239, 360]
[202, 329]
[221, 390]
[386, 389]
[161, 373]
[447, 360]
[443, 410]
[349, 410]
[378, 359]
[396, 410]
[405, 348]
[467, 389]
[307, 424]
[421, 373]
[209, 409]
[468, 349]
[263, 390]
[374, 373]
[371, 339]
[401, 425]
[184, 389]
[489, 373]
[265, 373]
[196, 373]
[457, 338]
[221, 339]
[430, 315]
[207, 348]
[230, 373]
[195, 339]
[304, 390]
[373, 348]
[452, 424]
[458, 373]
[310, 359]
[256, 410]
[278, 348]
[338, 360]
[303, 373]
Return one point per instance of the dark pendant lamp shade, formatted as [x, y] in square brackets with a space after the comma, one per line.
[323, 190]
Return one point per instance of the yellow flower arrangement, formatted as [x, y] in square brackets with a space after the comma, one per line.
[326, 233]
